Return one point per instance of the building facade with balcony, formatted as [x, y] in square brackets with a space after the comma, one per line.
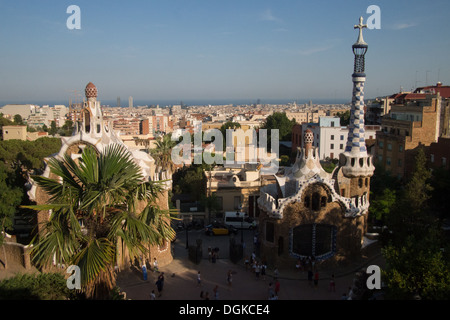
[409, 125]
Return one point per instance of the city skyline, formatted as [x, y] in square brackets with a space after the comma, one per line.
[201, 50]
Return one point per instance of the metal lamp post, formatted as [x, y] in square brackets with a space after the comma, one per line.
[187, 234]
[238, 214]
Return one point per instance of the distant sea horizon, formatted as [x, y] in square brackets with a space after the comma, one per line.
[188, 102]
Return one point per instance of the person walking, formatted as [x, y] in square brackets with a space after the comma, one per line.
[332, 284]
[310, 277]
[199, 280]
[271, 290]
[316, 279]
[263, 270]
[276, 273]
[229, 278]
[216, 292]
[257, 270]
[160, 285]
[155, 265]
[277, 288]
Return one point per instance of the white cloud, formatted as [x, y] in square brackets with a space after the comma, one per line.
[268, 16]
[401, 26]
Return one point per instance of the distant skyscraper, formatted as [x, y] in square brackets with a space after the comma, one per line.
[130, 102]
[118, 102]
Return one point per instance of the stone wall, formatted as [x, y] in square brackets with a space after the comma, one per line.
[14, 255]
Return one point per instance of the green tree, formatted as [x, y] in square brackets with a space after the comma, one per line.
[229, 125]
[190, 180]
[10, 198]
[4, 122]
[417, 267]
[18, 120]
[53, 129]
[67, 129]
[279, 120]
[411, 214]
[44, 286]
[418, 190]
[345, 117]
[441, 185]
[93, 208]
[162, 153]
[383, 204]
[415, 263]
[211, 202]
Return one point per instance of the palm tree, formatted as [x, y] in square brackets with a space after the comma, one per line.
[162, 153]
[211, 203]
[94, 207]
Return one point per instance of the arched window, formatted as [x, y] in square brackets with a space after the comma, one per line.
[87, 121]
[307, 202]
[316, 201]
[323, 202]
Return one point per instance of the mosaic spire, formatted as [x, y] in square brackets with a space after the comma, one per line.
[356, 161]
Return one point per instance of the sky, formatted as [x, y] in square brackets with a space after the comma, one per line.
[197, 49]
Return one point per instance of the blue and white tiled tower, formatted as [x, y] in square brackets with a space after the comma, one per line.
[355, 161]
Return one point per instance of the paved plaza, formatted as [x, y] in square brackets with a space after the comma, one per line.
[181, 277]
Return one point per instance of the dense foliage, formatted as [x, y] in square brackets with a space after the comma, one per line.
[18, 159]
[279, 121]
[414, 244]
[45, 286]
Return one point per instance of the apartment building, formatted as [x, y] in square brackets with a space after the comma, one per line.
[410, 124]
[329, 136]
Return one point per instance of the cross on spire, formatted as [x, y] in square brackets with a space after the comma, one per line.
[360, 26]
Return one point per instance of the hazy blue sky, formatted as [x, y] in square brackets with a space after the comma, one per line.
[207, 49]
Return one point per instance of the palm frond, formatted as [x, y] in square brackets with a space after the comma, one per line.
[95, 257]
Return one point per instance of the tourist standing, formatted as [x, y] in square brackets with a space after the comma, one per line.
[332, 284]
[275, 273]
[216, 292]
[199, 280]
[155, 265]
[277, 288]
[257, 270]
[310, 277]
[271, 291]
[160, 285]
[263, 270]
[229, 277]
